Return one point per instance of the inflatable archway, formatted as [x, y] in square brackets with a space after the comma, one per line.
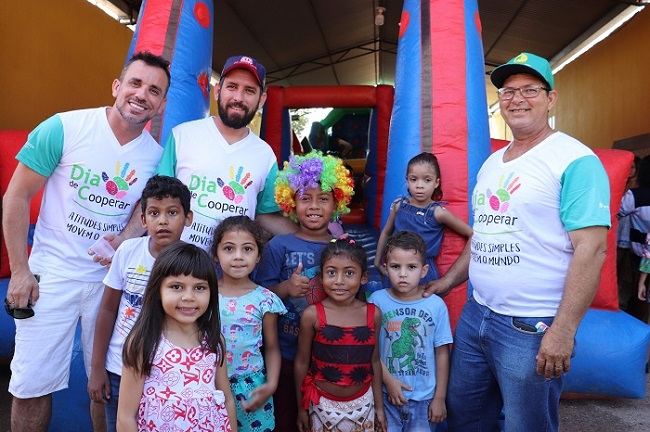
[276, 128]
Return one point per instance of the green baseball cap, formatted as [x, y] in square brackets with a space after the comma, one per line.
[524, 63]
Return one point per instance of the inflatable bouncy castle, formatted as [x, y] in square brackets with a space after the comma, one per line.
[445, 114]
[438, 105]
[440, 48]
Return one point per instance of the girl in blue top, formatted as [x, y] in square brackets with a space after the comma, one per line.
[421, 212]
[249, 319]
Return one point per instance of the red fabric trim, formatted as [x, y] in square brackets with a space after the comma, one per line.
[312, 393]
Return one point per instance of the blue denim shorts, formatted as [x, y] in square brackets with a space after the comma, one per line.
[412, 417]
[111, 407]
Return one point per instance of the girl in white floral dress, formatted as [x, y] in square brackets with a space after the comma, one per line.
[174, 375]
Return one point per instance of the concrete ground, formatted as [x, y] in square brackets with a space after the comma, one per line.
[576, 415]
[606, 415]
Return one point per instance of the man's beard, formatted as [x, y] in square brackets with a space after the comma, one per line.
[235, 121]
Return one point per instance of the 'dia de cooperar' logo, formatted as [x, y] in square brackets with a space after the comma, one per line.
[119, 184]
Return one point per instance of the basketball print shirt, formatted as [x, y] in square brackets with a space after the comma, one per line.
[279, 261]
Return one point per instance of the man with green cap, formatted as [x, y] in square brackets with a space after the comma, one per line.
[541, 214]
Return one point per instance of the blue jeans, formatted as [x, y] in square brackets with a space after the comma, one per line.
[412, 417]
[111, 407]
[493, 367]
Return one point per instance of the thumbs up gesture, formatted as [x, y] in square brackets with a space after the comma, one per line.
[298, 284]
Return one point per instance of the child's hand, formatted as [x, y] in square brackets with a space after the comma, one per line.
[303, 421]
[381, 424]
[394, 389]
[257, 398]
[437, 410]
[642, 291]
[99, 385]
[298, 284]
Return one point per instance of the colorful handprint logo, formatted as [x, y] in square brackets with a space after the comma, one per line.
[121, 181]
[499, 200]
[236, 187]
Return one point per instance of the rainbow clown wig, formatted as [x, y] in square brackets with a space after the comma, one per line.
[313, 170]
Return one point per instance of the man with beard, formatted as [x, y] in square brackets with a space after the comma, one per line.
[94, 164]
[229, 170]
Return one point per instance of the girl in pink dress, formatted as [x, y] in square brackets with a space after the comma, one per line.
[174, 375]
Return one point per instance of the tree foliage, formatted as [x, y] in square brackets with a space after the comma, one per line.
[299, 118]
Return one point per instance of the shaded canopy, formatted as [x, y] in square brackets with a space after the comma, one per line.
[335, 42]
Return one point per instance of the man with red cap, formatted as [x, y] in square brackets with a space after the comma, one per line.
[229, 170]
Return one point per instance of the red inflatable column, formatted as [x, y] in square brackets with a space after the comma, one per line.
[272, 125]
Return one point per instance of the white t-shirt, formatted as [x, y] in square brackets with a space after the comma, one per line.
[523, 211]
[225, 179]
[93, 183]
[129, 273]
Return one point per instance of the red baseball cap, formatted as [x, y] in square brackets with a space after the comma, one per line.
[246, 63]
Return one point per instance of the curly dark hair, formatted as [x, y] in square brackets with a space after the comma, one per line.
[160, 187]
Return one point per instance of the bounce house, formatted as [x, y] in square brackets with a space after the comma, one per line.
[276, 129]
[438, 105]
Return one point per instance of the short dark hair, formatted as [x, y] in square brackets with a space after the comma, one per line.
[160, 186]
[238, 223]
[149, 59]
[406, 240]
[347, 248]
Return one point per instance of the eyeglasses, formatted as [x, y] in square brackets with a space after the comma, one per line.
[529, 92]
[19, 313]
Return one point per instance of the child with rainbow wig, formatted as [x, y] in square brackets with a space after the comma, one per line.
[313, 190]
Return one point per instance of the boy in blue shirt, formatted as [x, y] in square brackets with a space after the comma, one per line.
[413, 341]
